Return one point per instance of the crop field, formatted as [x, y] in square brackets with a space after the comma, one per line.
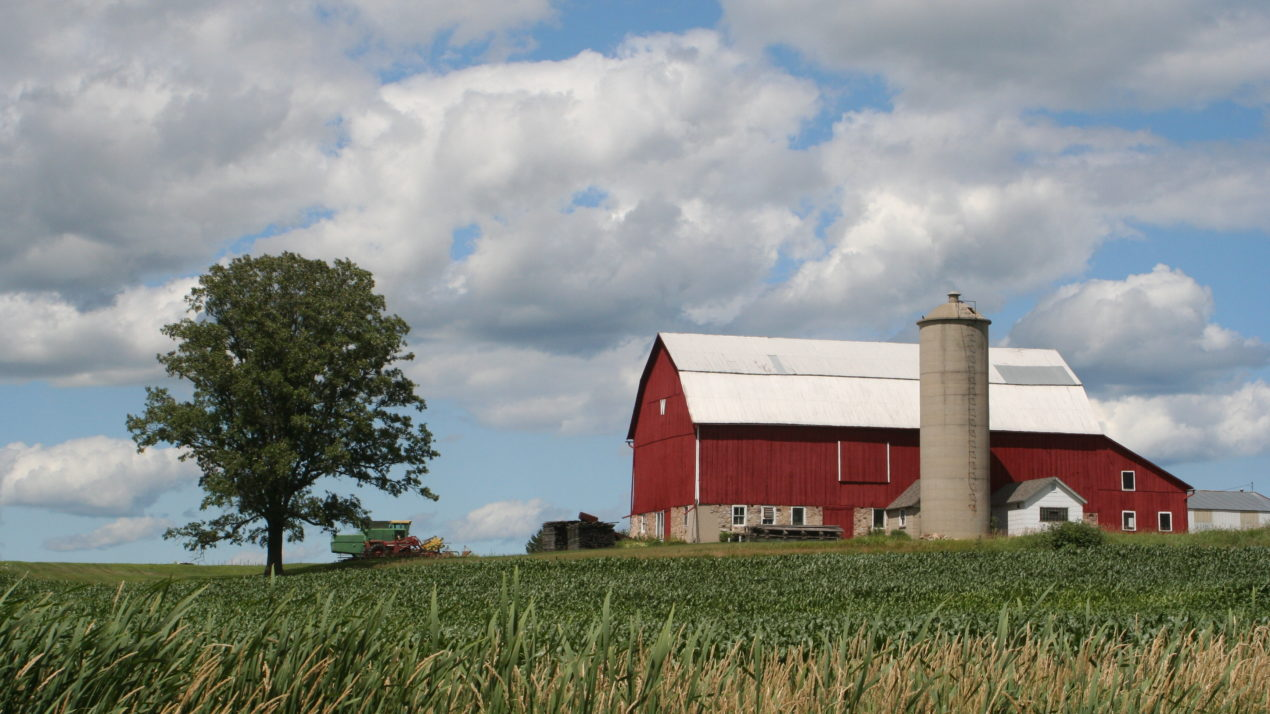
[1116, 628]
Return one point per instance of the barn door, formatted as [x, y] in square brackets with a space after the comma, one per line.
[843, 517]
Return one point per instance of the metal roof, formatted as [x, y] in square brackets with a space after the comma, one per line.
[1023, 491]
[771, 380]
[1228, 501]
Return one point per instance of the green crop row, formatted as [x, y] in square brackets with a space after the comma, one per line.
[166, 650]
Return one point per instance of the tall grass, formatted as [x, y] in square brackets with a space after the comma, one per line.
[152, 653]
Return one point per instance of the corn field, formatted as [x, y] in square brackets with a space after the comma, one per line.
[1163, 630]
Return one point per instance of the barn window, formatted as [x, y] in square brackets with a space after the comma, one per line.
[738, 515]
[879, 519]
[662, 407]
[1053, 515]
[769, 515]
[903, 518]
[659, 530]
[798, 516]
[1165, 520]
[1128, 481]
[1128, 521]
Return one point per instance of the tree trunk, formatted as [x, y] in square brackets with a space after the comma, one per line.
[273, 559]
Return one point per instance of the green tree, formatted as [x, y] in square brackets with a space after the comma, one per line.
[291, 363]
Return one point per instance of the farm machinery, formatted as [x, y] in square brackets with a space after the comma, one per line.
[388, 539]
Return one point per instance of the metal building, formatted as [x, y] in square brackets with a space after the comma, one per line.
[731, 431]
[1232, 510]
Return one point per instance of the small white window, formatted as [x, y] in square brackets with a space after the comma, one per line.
[1053, 515]
[1128, 521]
[662, 407]
[879, 519]
[1165, 519]
[738, 515]
[798, 516]
[1128, 481]
[659, 530]
[769, 515]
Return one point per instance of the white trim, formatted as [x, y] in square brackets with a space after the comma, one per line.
[696, 466]
[659, 525]
[762, 515]
[1159, 521]
[800, 509]
[745, 515]
[1124, 525]
[662, 407]
[1134, 475]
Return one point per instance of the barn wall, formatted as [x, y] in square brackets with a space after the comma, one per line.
[664, 444]
[800, 466]
[1091, 466]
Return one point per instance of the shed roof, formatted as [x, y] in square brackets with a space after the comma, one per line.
[1023, 491]
[770, 380]
[1228, 501]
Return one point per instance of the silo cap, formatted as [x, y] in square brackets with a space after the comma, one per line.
[954, 309]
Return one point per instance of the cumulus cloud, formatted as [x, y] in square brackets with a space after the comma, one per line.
[51, 338]
[117, 532]
[609, 193]
[525, 388]
[96, 476]
[1081, 54]
[501, 520]
[1149, 332]
[141, 138]
[1192, 427]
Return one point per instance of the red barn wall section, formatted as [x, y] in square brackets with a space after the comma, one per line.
[799, 466]
[664, 461]
[1091, 465]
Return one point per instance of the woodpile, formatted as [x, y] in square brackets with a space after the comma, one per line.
[586, 532]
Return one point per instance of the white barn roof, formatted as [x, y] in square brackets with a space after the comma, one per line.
[769, 380]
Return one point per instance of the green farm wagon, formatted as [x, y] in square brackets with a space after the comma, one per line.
[386, 539]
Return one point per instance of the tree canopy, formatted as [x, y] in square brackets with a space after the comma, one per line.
[291, 361]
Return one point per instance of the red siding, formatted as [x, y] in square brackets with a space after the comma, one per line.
[1091, 465]
[664, 459]
[798, 466]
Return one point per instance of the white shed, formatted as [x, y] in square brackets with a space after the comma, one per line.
[1031, 506]
[1210, 510]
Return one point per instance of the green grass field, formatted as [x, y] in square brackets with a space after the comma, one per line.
[877, 624]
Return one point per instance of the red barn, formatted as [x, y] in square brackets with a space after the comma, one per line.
[732, 431]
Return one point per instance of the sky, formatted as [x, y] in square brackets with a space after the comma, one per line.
[540, 187]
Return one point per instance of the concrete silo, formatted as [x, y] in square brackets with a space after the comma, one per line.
[954, 421]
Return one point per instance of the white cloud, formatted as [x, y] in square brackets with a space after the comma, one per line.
[48, 337]
[141, 138]
[117, 532]
[1079, 54]
[1192, 427]
[526, 388]
[686, 141]
[501, 520]
[95, 475]
[1152, 331]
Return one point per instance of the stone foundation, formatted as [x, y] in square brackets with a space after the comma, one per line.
[714, 519]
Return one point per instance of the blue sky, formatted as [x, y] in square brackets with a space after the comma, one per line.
[541, 187]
